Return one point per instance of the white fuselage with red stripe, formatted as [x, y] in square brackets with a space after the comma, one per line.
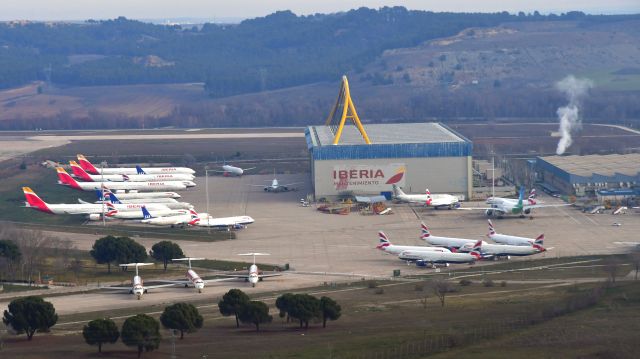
[254, 275]
[195, 279]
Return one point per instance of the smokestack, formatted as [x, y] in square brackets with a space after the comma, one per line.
[575, 89]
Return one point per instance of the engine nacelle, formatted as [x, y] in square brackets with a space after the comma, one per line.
[527, 211]
[94, 217]
[489, 212]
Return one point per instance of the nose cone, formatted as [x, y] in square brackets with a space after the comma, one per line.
[189, 184]
[248, 219]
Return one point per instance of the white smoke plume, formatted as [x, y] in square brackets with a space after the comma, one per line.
[575, 89]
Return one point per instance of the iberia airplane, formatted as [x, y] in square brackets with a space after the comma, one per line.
[65, 179]
[90, 168]
[80, 173]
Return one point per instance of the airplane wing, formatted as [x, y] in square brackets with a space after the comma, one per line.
[246, 275]
[118, 288]
[172, 282]
[250, 168]
[158, 286]
[217, 280]
[257, 185]
[269, 275]
[289, 184]
[548, 205]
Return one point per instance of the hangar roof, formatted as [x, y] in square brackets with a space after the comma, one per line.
[425, 132]
[604, 165]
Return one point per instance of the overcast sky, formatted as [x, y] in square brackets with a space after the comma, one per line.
[218, 9]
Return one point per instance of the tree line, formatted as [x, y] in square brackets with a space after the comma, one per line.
[290, 50]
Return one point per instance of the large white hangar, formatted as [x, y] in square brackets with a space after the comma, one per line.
[414, 156]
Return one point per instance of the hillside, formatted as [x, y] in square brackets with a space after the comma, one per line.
[507, 70]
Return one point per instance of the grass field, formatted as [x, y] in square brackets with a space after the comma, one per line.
[403, 320]
[616, 79]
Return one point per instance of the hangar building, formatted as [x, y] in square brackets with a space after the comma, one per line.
[582, 175]
[414, 156]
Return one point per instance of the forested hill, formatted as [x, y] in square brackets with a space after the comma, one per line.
[276, 51]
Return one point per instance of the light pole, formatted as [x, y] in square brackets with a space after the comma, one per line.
[206, 189]
[102, 164]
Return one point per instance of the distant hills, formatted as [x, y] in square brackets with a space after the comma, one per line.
[404, 65]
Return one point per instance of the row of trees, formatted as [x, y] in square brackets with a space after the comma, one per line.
[121, 250]
[301, 307]
[142, 331]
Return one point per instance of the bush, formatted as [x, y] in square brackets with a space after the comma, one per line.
[418, 287]
[372, 284]
[379, 291]
[487, 283]
[465, 282]
[503, 283]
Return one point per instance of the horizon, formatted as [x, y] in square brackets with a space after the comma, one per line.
[195, 11]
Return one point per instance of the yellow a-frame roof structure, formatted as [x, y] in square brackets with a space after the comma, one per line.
[345, 102]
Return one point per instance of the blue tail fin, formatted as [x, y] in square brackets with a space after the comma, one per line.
[140, 170]
[145, 213]
[114, 199]
[99, 195]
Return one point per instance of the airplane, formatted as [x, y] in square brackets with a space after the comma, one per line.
[449, 242]
[65, 179]
[386, 246]
[501, 206]
[90, 168]
[136, 195]
[276, 186]
[512, 240]
[430, 200]
[431, 258]
[193, 279]
[114, 213]
[178, 219]
[497, 251]
[168, 202]
[92, 210]
[137, 286]
[254, 276]
[80, 173]
[500, 200]
[228, 170]
[205, 220]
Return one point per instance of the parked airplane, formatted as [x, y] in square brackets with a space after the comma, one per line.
[205, 220]
[431, 258]
[254, 275]
[192, 278]
[449, 242]
[501, 206]
[80, 173]
[137, 195]
[276, 186]
[168, 202]
[497, 251]
[65, 179]
[386, 246]
[137, 286]
[178, 219]
[512, 240]
[228, 170]
[93, 211]
[431, 200]
[114, 213]
[90, 168]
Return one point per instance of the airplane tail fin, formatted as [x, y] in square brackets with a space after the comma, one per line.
[34, 201]
[424, 231]
[86, 165]
[540, 240]
[65, 179]
[100, 195]
[476, 251]
[145, 213]
[492, 230]
[532, 193]
[140, 170]
[79, 172]
[114, 199]
[397, 191]
[427, 192]
[111, 210]
[384, 240]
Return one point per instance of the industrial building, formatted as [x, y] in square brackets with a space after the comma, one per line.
[584, 175]
[414, 156]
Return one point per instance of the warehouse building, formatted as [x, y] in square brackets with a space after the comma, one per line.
[414, 156]
[584, 175]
